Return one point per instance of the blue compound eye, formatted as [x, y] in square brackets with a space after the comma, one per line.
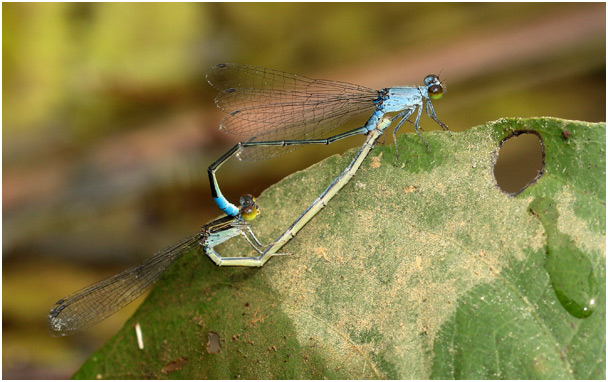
[431, 79]
[434, 86]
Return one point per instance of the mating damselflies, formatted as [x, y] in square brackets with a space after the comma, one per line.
[329, 192]
[97, 302]
[282, 110]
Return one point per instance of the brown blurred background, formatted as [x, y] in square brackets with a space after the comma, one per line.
[109, 124]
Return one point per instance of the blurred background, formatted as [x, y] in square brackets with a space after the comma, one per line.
[109, 124]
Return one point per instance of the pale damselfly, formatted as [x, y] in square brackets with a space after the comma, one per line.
[97, 302]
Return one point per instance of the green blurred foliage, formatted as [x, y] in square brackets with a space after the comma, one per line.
[108, 123]
[65, 59]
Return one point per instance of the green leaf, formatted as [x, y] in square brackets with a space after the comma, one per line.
[424, 270]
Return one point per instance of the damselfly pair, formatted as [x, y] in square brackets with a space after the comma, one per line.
[280, 111]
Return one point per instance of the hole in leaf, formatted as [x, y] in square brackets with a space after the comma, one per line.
[520, 162]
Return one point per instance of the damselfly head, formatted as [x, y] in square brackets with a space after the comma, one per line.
[434, 86]
[249, 208]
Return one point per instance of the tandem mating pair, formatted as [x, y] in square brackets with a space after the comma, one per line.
[279, 111]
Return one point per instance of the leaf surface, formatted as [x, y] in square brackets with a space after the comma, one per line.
[424, 270]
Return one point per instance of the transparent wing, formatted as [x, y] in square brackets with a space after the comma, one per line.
[273, 105]
[313, 130]
[96, 302]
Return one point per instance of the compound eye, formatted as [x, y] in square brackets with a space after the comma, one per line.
[431, 79]
[247, 200]
[250, 212]
[249, 208]
[435, 91]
